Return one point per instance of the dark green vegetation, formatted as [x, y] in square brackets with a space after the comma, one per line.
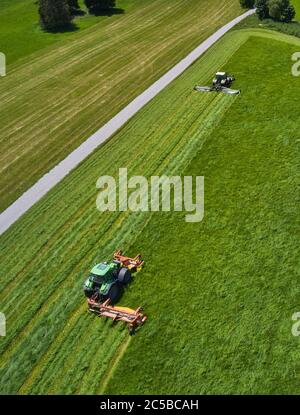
[292, 28]
[278, 10]
[281, 10]
[262, 9]
[219, 294]
[55, 15]
[55, 98]
[98, 6]
[247, 4]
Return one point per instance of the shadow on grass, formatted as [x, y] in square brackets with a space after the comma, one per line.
[78, 12]
[108, 12]
[65, 29]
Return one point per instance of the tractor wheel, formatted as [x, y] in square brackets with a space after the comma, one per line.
[124, 276]
[131, 331]
[114, 293]
[89, 292]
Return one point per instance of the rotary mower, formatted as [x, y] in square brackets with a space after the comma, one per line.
[221, 83]
[104, 285]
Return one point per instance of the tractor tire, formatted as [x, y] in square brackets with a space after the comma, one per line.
[89, 292]
[124, 276]
[131, 331]
[114, 293]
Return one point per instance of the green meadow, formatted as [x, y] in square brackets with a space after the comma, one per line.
[219, 294]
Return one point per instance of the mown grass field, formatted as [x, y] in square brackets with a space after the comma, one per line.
[219, 294]
[57, 96]
[21, 34]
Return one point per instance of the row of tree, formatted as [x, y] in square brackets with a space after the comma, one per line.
[58, 14]
[281, 10]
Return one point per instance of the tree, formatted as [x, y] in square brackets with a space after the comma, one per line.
[96, 6]
[54, 15]
[262, 9]
[288, 13]
[247, 4]
[275, 7]
[73, 5]
[281, 10]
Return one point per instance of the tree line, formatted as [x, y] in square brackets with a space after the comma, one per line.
[58, 14]
[280, 10]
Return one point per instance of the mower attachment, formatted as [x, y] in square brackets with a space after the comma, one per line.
[133, 264]
[204, 88]
[133, 318]
[224, 90]
[230, 91]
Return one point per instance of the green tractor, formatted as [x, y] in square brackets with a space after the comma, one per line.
[103, 288]
[106, 281]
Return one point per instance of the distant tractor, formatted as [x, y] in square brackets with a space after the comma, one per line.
[221, 83]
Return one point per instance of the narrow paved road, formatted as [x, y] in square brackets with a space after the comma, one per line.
[54, 176]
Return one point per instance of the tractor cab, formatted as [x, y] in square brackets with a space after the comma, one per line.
[222, 79]
[221, 83]
[101, 276]
[105, 281]
[104, 270]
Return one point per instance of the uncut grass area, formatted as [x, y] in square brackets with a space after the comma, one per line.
[61, 88]
[220, 294]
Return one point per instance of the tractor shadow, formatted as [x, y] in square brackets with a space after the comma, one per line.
[66, 29]
[108, 12]
[122, 290]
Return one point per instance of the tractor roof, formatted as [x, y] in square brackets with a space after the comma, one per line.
[102, 269]
[220, 73]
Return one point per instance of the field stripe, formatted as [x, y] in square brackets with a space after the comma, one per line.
[114, 363]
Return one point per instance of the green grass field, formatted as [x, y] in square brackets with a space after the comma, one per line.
[21, 34]
[296, 4]
[219, 294]
[61, 88]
